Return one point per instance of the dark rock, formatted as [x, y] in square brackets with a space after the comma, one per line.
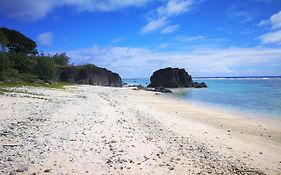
[170, 78]
[199, 85]
[162, 90]
[47, 170]
[89, 74]
[158, 89]
[173, 78]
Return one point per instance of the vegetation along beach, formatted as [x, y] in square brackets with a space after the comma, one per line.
[140, 87]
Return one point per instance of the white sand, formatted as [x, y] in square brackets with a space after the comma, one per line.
[101, 130]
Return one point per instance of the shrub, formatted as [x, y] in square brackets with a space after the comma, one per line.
[45, 68]
[61, 59]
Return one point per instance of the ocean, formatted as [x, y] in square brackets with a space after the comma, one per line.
[257, 95]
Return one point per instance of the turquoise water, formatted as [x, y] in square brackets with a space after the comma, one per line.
[255, 95]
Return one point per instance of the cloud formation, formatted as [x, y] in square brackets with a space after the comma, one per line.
[272, 37]
[185, 38]
[45, 39]
[153, 25]
[31, 10]
[164, 13]
[139, 62]
[170, 29]
[274, 21]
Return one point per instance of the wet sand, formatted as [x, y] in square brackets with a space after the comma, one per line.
[102, 130]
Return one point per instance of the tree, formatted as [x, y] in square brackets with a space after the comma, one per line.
[18, 42]
[45, 68]
[61, 59]
[22, 62]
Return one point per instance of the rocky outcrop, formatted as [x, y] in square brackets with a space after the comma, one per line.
[89, 74]
[170, 78]
[173, 78]
[199, 85]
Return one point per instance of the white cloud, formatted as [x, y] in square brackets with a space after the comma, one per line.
[274, 21]
[184, 38]
[170, 29]
[45, 39]
[153, 25]
[164, 13]
[140, 62]
[29, 10]
[174, 8]
[271, 37]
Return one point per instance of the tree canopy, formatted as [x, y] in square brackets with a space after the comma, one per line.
[17, 42]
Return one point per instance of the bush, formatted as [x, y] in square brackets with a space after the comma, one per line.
[10, 74]
[45, 68]
[4, 62]
[27, 77]
[61, 59]
[22, 62]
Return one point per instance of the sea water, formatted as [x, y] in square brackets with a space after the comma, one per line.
[260, 95]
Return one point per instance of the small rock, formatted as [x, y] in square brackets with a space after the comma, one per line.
[171, 168]
[13, 173]
[47, 170]
[9, 159]
[22, 168]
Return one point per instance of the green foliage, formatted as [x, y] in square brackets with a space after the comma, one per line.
[4, 62]
[61, 59]
[18, 42]
[10, 74]
[45, 68]
[22, 62]
[28, 77]
[4, 66]
[22, 65]
[58, 85]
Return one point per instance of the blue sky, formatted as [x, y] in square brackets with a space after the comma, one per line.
[137, 37]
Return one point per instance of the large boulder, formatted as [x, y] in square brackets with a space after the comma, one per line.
[171, 78]
[89, 74]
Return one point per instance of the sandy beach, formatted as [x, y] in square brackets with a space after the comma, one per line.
[103, 130]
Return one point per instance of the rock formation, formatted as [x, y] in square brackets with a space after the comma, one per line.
[173, 78]
[89, 74]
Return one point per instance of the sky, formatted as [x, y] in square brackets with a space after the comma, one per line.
[136, 37]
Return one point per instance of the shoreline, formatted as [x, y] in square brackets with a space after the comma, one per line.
[103, 130]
